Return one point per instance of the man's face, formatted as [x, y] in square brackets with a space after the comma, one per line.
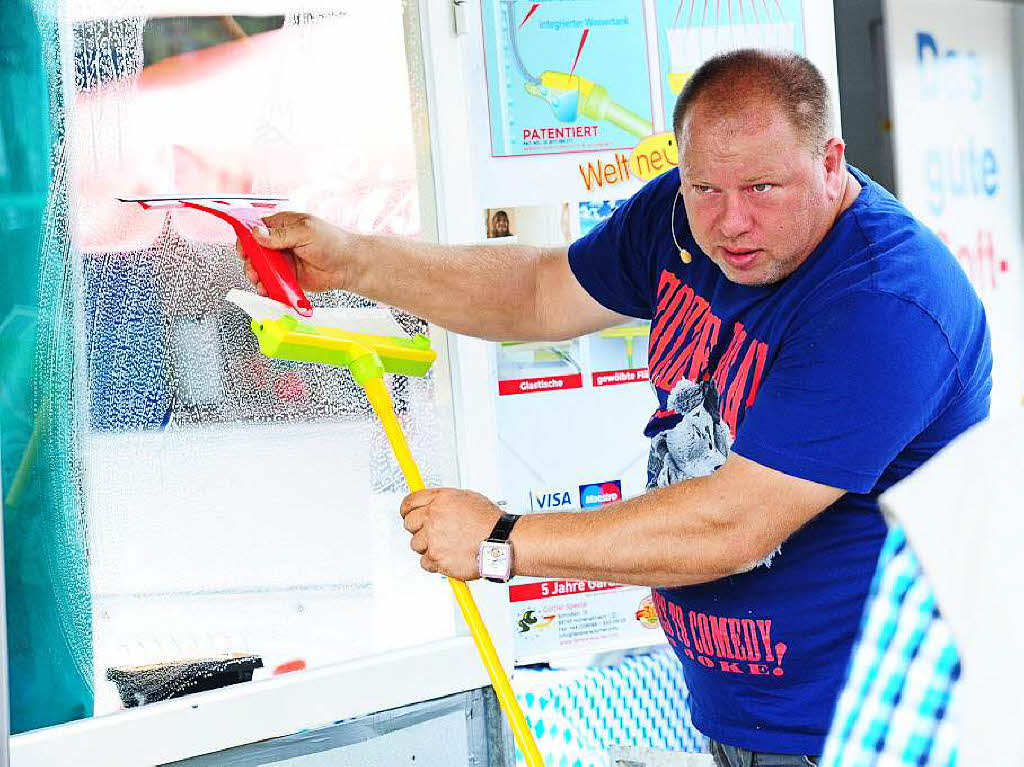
[757, 198]
[500, 225]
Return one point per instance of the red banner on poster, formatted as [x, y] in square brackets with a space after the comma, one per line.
[531, 385]
[524, 592]
[612, 377]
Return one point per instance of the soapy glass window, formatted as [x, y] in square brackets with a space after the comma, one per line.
[234, 503]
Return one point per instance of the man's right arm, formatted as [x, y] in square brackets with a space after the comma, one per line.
[501, 293]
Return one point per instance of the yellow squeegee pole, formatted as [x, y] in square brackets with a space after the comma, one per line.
[380, 399]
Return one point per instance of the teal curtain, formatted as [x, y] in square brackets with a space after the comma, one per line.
[48, 603]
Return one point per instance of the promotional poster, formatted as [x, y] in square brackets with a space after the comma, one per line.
[562, 75]
[962, 177]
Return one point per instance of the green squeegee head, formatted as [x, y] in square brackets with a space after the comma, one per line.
[367, 355]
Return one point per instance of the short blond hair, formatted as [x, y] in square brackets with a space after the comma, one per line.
[730, 81]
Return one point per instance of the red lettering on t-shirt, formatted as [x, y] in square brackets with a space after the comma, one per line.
[739, 335]
[676, 612]
[663, 617]
[764, 627]
[707, 342]
[701, 632]
[662, 334]
[750, 640]
[737, 640]
[684, 339]
[696, 352]
[697, 309]
[720, 633]
[734, 645]
[734, 397]
[762, 356]
[667, 287]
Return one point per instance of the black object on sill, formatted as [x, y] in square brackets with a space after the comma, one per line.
[139, 685]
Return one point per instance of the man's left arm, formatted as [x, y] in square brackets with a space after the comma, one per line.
[696, 531]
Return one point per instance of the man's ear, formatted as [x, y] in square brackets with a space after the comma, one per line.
[835, 167]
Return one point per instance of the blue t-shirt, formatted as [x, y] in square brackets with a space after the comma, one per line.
[851, 372]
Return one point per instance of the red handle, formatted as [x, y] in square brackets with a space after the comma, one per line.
[275, 268]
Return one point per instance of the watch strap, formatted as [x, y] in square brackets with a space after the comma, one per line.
[503, 528]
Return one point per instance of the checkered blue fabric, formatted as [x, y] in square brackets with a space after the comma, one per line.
[577, 715]
[898, 706]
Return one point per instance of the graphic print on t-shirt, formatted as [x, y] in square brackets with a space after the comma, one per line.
[733, 645]
[691, 435]
[687, 343]
[697, 445]
[692, 432]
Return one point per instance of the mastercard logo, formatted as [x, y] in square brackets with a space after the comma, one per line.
[600, 494]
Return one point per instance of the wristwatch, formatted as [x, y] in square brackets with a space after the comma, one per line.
[495, 556]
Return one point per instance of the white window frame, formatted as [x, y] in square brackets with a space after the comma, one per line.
[213, 721]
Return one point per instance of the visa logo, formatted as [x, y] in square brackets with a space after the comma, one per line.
[600, 493]
[551, 499]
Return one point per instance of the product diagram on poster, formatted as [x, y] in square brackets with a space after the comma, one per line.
[566, 75]
[692, 31]
[538, 366]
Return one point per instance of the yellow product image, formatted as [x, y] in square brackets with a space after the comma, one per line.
[537, 358]
[629, 334]
[572, 95]
[677, 81]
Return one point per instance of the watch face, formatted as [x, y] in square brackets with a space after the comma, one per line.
[495, 560]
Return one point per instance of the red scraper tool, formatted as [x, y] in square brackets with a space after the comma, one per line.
[245, 212]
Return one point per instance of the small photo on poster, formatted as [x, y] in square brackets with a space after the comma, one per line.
[500, 223]
[539, 366]
[566, 75]
[619, 355]
[593, 213]
[530, 224]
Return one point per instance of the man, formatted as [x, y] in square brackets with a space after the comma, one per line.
[811, 345]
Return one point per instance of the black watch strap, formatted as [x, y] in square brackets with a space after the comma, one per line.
[503, 528]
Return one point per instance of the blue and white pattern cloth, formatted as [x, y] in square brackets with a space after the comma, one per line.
[578, 715]
[898, 706]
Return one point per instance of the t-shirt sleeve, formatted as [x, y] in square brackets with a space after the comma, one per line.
[616, 261]
[851, 386]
